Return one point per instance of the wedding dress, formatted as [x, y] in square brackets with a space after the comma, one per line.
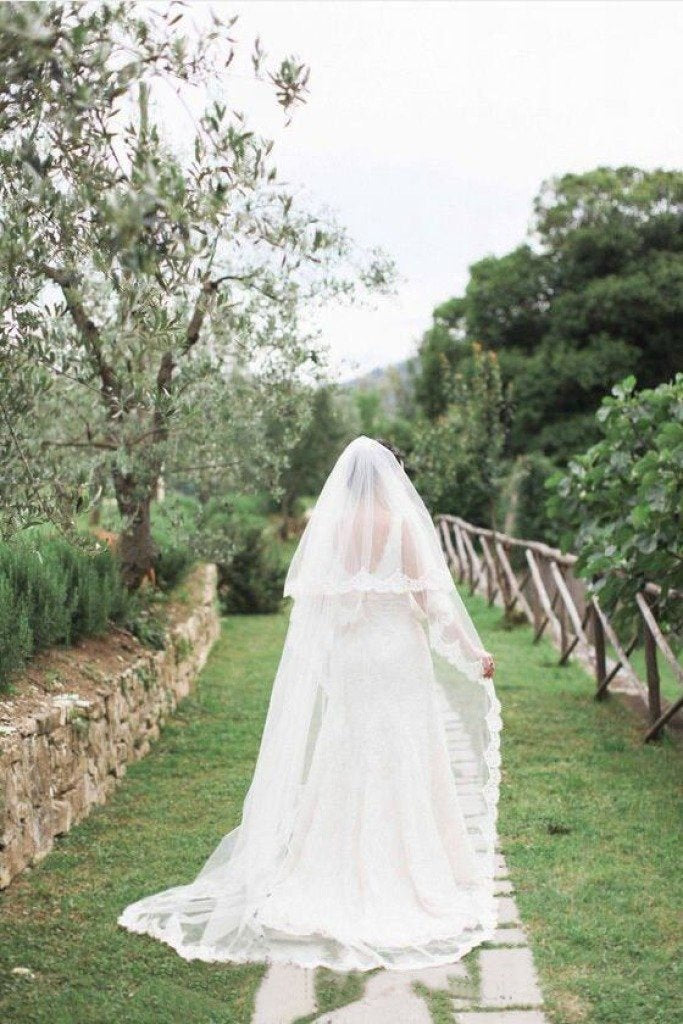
[368, 832]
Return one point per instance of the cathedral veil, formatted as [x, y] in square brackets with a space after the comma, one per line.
[369, 535]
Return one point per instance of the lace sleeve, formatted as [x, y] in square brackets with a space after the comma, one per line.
[439, 611]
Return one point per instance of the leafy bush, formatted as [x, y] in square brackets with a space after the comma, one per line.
[53, 592]
[458, 459]
[233, 534]
[252, 580]
[523, 500]
[174, 525]
[171, 564]
[621, 502]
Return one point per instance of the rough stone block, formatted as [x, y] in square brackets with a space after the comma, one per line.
[59, 761]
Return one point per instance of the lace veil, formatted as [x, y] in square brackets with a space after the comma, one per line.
[369, 535]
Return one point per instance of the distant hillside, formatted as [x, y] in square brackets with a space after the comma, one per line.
[390, 381]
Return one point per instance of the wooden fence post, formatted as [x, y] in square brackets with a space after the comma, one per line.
[600, 659]
[652, 669]
[550, 572]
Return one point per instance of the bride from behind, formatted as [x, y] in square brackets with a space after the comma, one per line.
[368, 832]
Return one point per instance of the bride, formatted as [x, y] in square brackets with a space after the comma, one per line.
[367, 835]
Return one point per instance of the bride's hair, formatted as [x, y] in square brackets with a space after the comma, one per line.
[396, 452]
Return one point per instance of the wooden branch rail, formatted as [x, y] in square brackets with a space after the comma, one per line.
[548, 593]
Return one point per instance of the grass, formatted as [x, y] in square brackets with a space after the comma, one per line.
[587, 822]
[590, 827]
[669, 684]
[59, 920]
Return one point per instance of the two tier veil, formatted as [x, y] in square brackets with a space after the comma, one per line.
[369, 533]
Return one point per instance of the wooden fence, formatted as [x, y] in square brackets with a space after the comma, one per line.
[538, 582]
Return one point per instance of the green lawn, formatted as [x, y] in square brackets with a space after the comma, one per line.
[587, 823]
[590, 823]
[60, 919]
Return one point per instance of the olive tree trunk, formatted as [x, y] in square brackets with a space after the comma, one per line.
[137, 549]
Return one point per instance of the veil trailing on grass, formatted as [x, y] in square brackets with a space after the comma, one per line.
[367, 834]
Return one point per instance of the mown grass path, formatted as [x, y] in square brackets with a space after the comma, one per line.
[587, 823]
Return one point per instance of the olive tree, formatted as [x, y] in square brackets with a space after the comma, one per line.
[150, 294]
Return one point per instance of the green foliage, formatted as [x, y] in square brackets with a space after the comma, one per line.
[146, 620]
[170, 565]
[174, 524]
[621, 502]
[233, 533]
[523, 499]
[151, 296]
[329, 427]
[53, 592]
[252, 580]
[441, 351]
[457, 460]
[597, 297]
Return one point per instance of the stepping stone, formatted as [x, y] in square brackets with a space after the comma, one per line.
[503, 887]
[437, 977]
[504, 1017]
[500, 866]
[510, 937]
[286, 992]
[388, 999]
[508, 978]
[507, 910]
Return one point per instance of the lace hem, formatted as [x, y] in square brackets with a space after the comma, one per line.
[407, 958]
[453, 653]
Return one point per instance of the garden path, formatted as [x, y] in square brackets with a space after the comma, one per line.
[495, 984]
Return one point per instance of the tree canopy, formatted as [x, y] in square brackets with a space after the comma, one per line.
[596, 294]
[150, 298]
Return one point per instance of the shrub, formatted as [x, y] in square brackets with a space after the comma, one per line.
[53, 592]
[251, 581]
[620, 503]
[523, 512]
[171, 564]
[233, 533]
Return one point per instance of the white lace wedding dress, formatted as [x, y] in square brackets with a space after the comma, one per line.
[367, 837]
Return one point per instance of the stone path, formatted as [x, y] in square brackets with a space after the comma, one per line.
[497, 985]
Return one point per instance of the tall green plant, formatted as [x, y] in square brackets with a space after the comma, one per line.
[53, 592]
[458, 459]
[621, 503]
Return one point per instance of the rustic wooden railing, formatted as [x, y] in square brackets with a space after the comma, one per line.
[546, 591]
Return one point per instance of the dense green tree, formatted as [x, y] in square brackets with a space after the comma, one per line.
[457, 459]
[506, 301]
[330, 426]
[441, 350]
[598, 295]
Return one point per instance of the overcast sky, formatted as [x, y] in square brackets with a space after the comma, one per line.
[430, 126]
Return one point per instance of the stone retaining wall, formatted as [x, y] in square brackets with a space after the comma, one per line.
[69, 752]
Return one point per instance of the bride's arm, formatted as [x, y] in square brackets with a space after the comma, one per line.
[440, 613]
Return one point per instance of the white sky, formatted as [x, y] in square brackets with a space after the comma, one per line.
[430, 126]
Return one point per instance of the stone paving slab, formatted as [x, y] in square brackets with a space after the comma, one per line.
[286, 992]
[503, 887]
[389, 998]
[508, 978]
[505, 1017]
[507, 910]
[510, 937]
[505, 968]
[500, 866]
